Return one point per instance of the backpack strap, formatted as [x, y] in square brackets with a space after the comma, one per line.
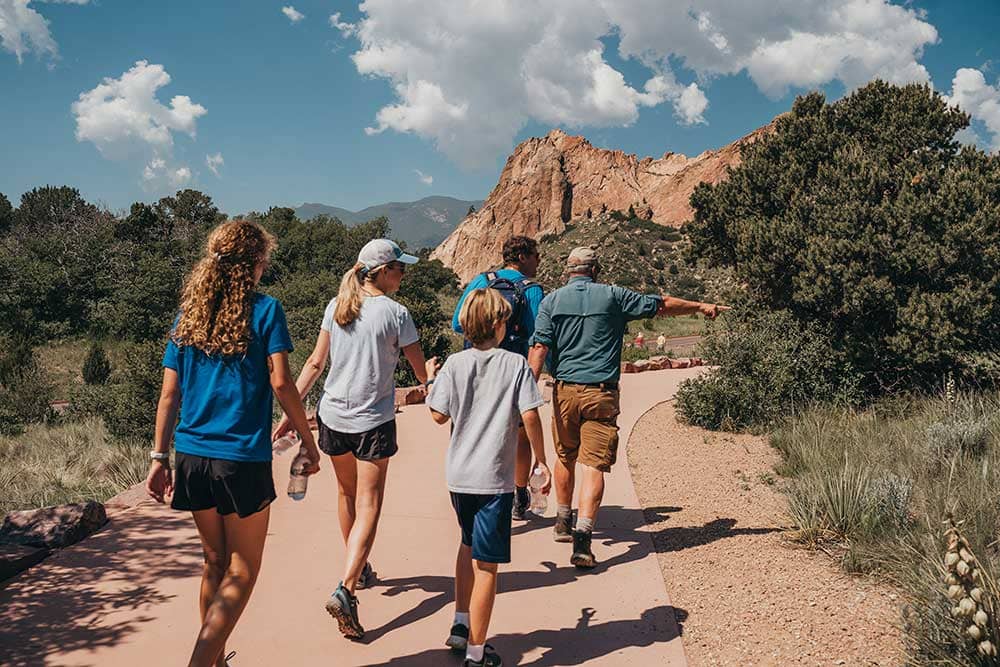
[491, 276]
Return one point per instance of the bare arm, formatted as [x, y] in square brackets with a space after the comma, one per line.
[536, 358]
[159, 481]
[533, 427]
[672, 307]
[288, 396]
[415, 355]
[312, 369]
[439, 417]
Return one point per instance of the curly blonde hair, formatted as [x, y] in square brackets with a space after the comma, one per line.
[218, 293]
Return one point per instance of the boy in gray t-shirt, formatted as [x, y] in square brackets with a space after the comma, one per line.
[486, 392]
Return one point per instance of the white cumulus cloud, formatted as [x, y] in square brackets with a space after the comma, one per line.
[470, 80]
[971, 92]
[214, 162]
[24, 30]
[124, 119]
[293, 14]
[426, 179]
[346, 29]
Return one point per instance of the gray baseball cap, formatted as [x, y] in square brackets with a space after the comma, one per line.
[378, 252]
[582, 256]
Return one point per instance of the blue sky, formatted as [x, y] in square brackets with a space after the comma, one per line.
[287, 102]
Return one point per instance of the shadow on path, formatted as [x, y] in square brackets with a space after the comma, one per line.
[59, 606]
[573, 645]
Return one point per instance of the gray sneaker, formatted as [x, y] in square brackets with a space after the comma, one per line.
[490, 659]
[562, 531]
[344, 608]
[368, 578]
[458, 639]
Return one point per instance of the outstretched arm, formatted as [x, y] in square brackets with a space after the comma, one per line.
[672, 307]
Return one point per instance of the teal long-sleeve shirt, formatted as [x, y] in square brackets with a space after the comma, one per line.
[582, 324]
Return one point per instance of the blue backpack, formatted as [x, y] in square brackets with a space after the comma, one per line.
[513, 291]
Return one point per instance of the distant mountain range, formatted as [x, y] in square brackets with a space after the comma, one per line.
[422, 224]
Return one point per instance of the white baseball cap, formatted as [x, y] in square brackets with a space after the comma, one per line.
[378, 252]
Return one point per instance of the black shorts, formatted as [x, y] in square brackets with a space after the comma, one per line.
[243, 487]
[485, 524]
[378, 443]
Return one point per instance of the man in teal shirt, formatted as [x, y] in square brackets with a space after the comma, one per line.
[580, 327]
[520, 258]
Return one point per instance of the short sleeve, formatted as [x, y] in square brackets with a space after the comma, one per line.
[534, 295]
[475, 283]
[327, 324]
[170, 355]
[439, 398]
[407, 329]
[528, 396]
[543, 324]
[274, 330]
[636, 306]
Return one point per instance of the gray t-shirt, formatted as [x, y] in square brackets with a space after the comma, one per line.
[484, 392]
[359, 393]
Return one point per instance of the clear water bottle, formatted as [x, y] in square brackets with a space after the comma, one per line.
[285, 442]
[299, 479]
[538, 479]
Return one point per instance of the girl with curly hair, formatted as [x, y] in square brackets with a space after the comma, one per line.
[227, 352]
[362, 334]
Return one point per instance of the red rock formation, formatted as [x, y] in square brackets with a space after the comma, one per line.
[551, 180]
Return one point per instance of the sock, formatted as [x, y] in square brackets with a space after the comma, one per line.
[522, 494]
[584, 524]
[564, 511]
[461, 618]
[475, 653]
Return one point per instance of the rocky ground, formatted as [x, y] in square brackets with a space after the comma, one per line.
[744, 594]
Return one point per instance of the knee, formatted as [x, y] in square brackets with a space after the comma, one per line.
[348, 496]
[484, 567]
[215, 565]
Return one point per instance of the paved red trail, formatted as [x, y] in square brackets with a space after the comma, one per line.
[127, 595]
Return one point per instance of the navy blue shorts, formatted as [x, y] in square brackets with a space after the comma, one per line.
[485, 523]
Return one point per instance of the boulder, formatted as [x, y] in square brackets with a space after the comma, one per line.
[15, 558]
[410, 395]
[53, 527]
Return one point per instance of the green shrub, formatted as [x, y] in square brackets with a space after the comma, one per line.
[128, 403]
[25, 390]
[768, 367]
[96, 366]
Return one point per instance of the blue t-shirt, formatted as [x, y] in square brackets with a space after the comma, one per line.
[533, 294]
[226, 401]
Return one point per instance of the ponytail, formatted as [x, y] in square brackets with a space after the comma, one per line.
[349, 297]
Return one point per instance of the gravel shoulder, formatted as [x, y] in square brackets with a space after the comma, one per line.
[744, 594]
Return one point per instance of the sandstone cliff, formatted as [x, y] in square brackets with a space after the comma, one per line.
[551, 180]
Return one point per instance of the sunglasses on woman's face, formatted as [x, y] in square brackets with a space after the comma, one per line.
[398, 266]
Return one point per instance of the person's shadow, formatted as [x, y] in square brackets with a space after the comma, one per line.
[574, 645]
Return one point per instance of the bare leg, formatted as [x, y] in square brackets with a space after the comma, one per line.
[565, 480]
[591, 491]
[213, 547]
[484, 592]
[464, 578]
[245, 548]
[345, 467]
[368, 507]
[522, 461]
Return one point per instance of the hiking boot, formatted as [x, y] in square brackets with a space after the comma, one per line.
[562, 531]
[490, 659]
[367, 579]
[459, 637]
[582, 555]
[522, 499]
[344, 607]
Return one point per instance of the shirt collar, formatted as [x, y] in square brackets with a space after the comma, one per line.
[578, 279]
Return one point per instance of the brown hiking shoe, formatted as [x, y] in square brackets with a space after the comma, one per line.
[562, 531]
[582, 555]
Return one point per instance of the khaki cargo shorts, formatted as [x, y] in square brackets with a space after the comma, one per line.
[585, 424]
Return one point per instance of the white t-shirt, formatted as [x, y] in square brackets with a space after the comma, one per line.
[359, 392]
[484, 392]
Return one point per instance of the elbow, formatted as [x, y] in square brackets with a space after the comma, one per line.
[282, 386]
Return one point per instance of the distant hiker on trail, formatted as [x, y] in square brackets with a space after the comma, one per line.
[227, 351]
[362, 334]
[581, 324]
[486, 392]
[661, 342]
[515, 284]
[640, 340]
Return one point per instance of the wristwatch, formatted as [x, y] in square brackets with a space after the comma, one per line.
[160, 456]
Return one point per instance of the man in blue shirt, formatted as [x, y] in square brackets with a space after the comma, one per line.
[514, 282]
[580, 327]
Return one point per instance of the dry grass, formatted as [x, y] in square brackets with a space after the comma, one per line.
[50, 465]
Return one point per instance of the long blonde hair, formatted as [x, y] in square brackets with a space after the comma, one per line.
[218, 294]
[350, 295]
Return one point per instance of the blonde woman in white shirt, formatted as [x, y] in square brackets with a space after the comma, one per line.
[362, 335]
